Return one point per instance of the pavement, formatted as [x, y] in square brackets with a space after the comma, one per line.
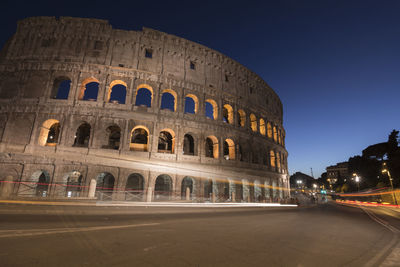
[324, 234]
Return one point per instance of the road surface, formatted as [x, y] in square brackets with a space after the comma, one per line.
[315, 235]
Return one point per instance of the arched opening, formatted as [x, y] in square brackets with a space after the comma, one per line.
[253, 122]
[262, 126]
[144, 95]
[74, 184]
[269, 130]
[89, 89]
[134, 188]
[61, 88]
[279, 136]
[208, 189]
[163, 187]
[114, 137]
[229, 149]
[278, 161]
[166, 141]
[240, 155]
[187, 184]
[223, 190]
[227, 114]
[82, 135]
[241, 118]
[258, 196]
[191, 104]
[42, 179]
[168, 99]
[49, 133]
[139, 139]
[211, 109]
[117, 92]
[211, 147]
[239, 191]
[275, 134]
[272, 158]
[105, 185]
[188, 145]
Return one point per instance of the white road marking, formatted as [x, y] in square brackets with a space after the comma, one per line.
[36, 232]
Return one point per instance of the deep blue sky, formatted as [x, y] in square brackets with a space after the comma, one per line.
[334, 64]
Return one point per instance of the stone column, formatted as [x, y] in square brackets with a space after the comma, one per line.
[92, 188]
[149, 194]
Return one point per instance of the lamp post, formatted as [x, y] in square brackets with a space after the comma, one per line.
[385, 169]
[357, 180]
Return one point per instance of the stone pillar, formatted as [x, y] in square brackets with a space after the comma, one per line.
[7, 187]
[149, 194]
[92, 188]
[187, 193]
[213, 197]
[233, 197]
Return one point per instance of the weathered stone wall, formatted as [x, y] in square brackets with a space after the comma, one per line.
[45, 48]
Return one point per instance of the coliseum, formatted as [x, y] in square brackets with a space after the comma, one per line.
[92, 112]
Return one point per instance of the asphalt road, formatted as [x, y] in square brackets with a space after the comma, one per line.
[318, 235]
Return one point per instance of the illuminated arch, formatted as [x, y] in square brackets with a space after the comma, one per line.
[272, 158]
[49, 133]
[241, 117]
[229, 149]
[262, 126]
[269, 130]
[163, 100]
[212, 147]
[253, 122]
[279, 137]
[275, 134]
[110, 97]
[166, 141]
[141, 96]
[139, 139]
[214, 110]
[195, 104]
[83, 87]
[278, 161]
[227, 113]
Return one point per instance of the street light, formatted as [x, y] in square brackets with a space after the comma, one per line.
[315, 187]
[385, 169]
[357, 180]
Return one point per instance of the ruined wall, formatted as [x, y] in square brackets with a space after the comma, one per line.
[45, 48]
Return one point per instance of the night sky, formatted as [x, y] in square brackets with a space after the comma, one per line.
[334, 64]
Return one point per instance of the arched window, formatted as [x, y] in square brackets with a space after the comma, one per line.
[105, 183]
[208, 188]
[74, 184]
[82, 135]
[49, 133]
[144, 95]
[139, 139]
[211, 109]
[272, 158]
[229, 149]
[163, 187]
[275, 134]
[187, 185]
[241, 118]
[42, 179]
[61, 88]
[166, 141]
[253, 122]
[211, 148]
[262, 126]
[278, 161]
[188, 145]
[168, 99]
[191, 104]
[134, 186]
[269, 130]
[227, 114]
[117, 92]
[89, 89]
[114, 137]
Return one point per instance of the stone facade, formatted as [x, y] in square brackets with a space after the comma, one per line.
[115, 147]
